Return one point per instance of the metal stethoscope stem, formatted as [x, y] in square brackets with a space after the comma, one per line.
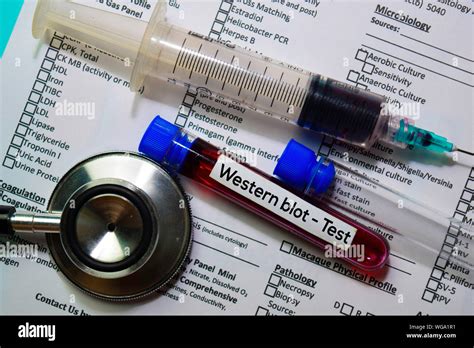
[36, 223]
[117, 225]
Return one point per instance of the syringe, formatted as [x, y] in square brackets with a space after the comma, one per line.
[164, 51]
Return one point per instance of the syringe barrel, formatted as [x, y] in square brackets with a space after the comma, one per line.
[273, 88]
[262, 84]
[107, 31]
[220, 69]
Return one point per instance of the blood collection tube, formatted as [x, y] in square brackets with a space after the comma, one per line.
[264, 195]
[387, 210]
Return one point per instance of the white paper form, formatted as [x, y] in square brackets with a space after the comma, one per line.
[239, 263]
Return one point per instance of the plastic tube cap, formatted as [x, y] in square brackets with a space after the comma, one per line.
[165, 143]
[300, 168]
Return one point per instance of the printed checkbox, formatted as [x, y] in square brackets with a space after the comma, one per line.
[184, 110]
[361, 85]
[30, 108]
[21, 129]
[47, 64]
[462, 207]
[225, 6]
[471, 175]
[353, 76]
[454, 231]
[181, 121]
[17, 140]
[9, 162]
[369, 314]
[286, 247]
[428, 296]
[445, 255]
[39, 86]
[274, 280]
[51, 53]
[441, 263]
[346, 309]
[221, 16]
[189, 100]
[450, 240]
[361, 55]
[43, 76]
[324, 150]
[34, 97]
[458, 216]
[56, 43]
[432, 284]
[437, 273]
[261, 311]
[368, 68]
[217, 27]
[59, 35]
[270, 291]
[13, 151]
[470, 185]
[467, 196]
[26, 119]
[447, 248]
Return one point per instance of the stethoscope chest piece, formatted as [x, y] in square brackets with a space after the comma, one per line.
[125, 226]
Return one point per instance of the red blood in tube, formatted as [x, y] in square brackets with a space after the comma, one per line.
[198, 165]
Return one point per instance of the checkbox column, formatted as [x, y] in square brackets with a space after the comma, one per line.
[362, 55]
[225, 6]
[286, 246]
[432, 284]
[185, 110]
[270, 291]
[428, 296]
[346, 309]
[274, 280]
[353, 76]
[368, 68]
[31, 106]
[8, 162]
[262, 311]
[437, 274]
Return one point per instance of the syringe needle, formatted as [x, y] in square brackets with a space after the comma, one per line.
[464, 151]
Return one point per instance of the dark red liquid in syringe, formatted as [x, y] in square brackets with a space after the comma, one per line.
[198, 165]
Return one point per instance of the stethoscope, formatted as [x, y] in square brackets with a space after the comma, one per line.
[118, 225]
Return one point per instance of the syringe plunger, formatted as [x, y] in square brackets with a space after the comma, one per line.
[162, 51]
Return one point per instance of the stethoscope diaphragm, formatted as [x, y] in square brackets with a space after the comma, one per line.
[124, 226]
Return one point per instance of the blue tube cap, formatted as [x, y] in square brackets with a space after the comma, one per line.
[165, 143]
[300, 168]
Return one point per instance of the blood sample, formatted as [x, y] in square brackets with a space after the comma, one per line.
[391, 211]
[163, 51]
[264, 195]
